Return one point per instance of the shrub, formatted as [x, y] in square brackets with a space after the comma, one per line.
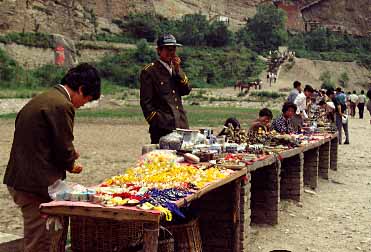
[49, 75]
[327, 83]
[266, 30]
[41, 40]
[8, 67]
[142, 25]
[267, 94]
[344, 79]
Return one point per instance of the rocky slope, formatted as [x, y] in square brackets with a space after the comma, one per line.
[75, 18]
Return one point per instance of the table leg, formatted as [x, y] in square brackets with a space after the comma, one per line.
[150, 237]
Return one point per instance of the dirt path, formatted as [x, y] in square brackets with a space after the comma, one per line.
[336, 218]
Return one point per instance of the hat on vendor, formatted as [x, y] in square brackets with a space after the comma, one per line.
[167, 40]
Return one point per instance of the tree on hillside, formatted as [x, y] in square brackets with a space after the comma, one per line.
[7, 67]
[327, 83]
[218, 35]
[344, 79]
[193, 29]
[266, 30]
[317, 40]
[142, 26]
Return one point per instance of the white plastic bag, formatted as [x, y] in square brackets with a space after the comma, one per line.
[344, 119]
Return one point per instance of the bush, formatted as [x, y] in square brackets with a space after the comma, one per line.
[49, 75]
[266, 30]
[144, 53]
[41, 40]
[142, 26]
[218, 35]
[344, 79]
[193, 29]
[327, 83]
[114, 38]
[267, 94]
[8, 67]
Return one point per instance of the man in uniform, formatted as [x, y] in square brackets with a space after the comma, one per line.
[162, 84]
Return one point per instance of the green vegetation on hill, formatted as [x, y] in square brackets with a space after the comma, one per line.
[205, 67]
[41, 40]
[322, 44]
[212, 55]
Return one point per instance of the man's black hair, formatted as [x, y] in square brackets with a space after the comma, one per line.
[308, 88]
[288, 105]
[354, 92]
[322, 102]
[85, 76]
[235, 123]
[266, 112]
[362, 92]
[329, 92]
[297, 84]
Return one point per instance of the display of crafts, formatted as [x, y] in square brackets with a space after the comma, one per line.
[156, 183]
[235, 160]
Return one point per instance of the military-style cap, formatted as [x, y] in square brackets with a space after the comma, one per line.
[167, 40]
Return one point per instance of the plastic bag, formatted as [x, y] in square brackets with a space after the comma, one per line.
[62, 190]
[344, 119]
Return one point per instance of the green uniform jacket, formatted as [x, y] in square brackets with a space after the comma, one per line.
[42, 147]
[160, 97]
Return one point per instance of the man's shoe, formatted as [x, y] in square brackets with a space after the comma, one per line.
[346, 142]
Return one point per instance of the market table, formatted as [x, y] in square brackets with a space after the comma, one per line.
[216, 236]
[282, 176]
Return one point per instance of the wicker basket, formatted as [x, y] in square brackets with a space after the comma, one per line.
[187, 236]
[165, 241]
[103, 235]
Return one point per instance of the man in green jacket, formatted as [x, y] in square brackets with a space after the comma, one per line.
[43, 149]
[162, 85]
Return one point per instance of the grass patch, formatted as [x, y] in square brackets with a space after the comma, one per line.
[20, 92]
[267, 94]
[197, 116]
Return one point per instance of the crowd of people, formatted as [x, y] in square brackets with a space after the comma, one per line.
[335, 105]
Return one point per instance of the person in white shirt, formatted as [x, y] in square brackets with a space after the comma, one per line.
[294, 92]
[361, 104]
[353, 98]
[301, 103]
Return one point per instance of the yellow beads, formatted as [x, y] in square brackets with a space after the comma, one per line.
[162, 172]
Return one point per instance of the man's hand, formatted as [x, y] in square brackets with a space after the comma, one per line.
[77, 168]
[176, 63]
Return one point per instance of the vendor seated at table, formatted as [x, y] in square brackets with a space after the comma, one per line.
[262, 124]
[230, 123]
[283, 123]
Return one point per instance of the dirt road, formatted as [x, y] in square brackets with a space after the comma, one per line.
[337, 218]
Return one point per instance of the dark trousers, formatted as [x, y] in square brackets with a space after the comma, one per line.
[157, 133]
[361, 109]
[36, 237]
[352, 109]
[340, 126]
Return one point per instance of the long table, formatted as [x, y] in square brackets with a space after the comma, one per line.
[227, 207]
[230, 185]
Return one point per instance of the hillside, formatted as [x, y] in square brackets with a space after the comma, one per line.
[77, 18]
[309, 71]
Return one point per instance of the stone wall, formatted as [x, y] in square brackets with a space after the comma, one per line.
[29, 57]
[33, 57]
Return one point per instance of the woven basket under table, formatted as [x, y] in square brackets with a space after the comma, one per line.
[102, 235]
